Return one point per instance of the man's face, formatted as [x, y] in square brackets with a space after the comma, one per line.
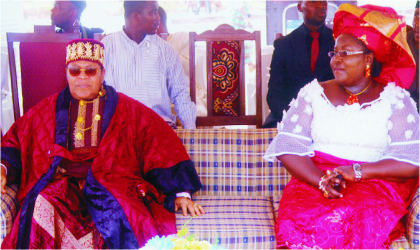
[416, 25]
[83, 87]
[314, 12]
[62, 13]
[148, 20]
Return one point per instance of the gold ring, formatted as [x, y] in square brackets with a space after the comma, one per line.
[326, 194]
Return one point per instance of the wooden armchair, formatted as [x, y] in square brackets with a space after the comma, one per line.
[42, 57]
[225, 56]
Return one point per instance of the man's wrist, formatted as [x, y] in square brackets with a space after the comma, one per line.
[5, 168]
[189, 125]
[184, 194]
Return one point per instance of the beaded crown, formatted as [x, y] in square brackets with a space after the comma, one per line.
[85, 49]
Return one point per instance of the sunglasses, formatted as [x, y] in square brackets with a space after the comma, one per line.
[88, 72]
[343, 53]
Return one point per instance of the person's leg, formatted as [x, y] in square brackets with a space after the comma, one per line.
[198, 7]
[208, 5]
[61, 218]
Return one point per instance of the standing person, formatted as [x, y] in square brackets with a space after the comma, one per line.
[65, 13]
[298, 58]
[208, 6]
[84, 159]
[361, 125]
[145, 67]
[180, 42]
[413, 42]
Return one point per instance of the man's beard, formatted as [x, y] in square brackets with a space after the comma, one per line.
[315, 22]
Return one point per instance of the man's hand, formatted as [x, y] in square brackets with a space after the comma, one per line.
[188, 205]
[3, 180]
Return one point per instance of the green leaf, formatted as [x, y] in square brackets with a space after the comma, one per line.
[182, 232]
[188, 221]
[217, 239]
[191, 238]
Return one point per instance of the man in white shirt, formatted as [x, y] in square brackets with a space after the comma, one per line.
[180, 42]
[145, 67]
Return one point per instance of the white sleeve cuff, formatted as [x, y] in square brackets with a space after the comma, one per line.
[5, 169]
[184, 194]
[189, 125]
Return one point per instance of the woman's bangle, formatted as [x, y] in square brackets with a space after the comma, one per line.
[320, 181]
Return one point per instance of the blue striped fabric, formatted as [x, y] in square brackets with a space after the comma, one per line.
[276, 205]
[413, 218]
[400, 243]
[9, 210]
[234, 222]
[229, 162]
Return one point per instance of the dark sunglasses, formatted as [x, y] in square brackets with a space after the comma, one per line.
[88, 72]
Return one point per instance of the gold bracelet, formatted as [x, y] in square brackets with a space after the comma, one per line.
[320, 181]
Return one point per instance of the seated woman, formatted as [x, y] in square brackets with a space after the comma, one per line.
[362, 126]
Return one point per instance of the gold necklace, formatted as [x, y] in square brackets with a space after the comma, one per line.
[353, 97]
[80, 119]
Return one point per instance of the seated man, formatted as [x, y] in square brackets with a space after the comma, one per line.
[143, 66]
[86, 157]
[65, 13]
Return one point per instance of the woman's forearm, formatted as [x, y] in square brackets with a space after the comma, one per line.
[389, 169]
[302, 167]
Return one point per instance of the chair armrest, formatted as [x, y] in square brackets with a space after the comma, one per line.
[9, 210]
[413, 222]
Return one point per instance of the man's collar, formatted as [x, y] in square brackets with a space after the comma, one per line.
[147, 38]
[306, 30]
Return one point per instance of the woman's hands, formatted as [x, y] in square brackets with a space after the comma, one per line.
[326, 185]
[188, 205]
[347, 172]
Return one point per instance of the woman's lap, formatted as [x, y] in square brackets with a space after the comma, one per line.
[368, 215]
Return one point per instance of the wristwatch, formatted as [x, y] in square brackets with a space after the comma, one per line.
[357, 171]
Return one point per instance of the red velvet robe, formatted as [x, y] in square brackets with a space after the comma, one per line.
[137, 145]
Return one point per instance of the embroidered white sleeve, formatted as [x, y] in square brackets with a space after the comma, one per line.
[294, 135]
[404, 132]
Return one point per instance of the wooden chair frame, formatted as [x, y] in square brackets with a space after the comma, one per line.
[42, 34]
[226, 32]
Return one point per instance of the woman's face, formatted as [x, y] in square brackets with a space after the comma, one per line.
[348, 70]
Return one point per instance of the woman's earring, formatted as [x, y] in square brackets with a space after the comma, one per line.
[367, 70]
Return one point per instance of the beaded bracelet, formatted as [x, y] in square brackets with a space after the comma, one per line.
[320, 181]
